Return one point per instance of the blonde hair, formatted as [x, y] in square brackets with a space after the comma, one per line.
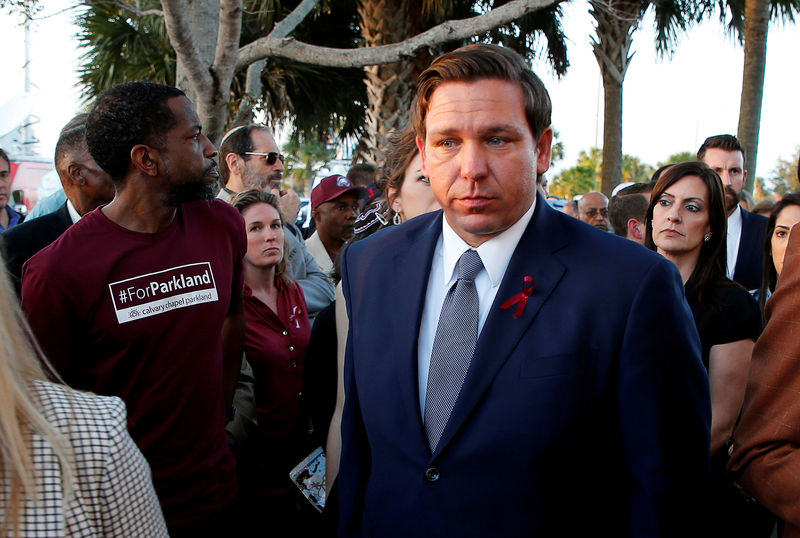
[20, 409]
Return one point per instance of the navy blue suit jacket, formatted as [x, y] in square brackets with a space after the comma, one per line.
[749, 261]
[24, 240]
[588, 415]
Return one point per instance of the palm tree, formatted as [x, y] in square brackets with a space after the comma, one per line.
[390, 87]
[617, 20]
[753, 29]
[120, 48]
[321, 101]
[580, 178]
[122, 45]
[756, 24]
[304, 158]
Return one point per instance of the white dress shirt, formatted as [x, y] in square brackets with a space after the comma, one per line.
[734, 236]
[495, 255]
[317, 249]
[73, 213]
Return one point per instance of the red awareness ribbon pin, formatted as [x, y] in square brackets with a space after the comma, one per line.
[520, 299]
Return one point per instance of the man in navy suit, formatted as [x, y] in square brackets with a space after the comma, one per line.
[86, 185]
[584, 407]
[725, 155]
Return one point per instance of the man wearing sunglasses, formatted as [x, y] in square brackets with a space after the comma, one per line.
[249, 159]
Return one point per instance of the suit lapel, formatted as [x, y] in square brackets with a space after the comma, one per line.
[747, 238]
[744, 239]
[533, 257]
[412, 266]
[750, 244]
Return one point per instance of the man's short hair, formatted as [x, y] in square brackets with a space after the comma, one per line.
[657, 174]
[764, 207]
[624, 207]
[583, 198]
[725, 142]
[237, 141]
[70, 140]
[4, 156]
[477, 62]
[77, 121]
[573, 204]
[125, 115]
[637, 188]
[747, 198]
[361, 174]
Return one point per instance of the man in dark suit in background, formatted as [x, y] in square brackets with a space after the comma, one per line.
[725, 155]
[517, 373]
[86, 185]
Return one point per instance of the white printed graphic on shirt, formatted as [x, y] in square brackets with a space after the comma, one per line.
[155, 293]
[295, 316]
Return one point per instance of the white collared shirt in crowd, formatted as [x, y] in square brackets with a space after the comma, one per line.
[734, 236]
[73, 213]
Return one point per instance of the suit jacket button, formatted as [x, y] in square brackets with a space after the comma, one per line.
[432, 474]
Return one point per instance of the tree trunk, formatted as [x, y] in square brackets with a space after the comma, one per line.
[756, 24]
[195, 26]
[205, 35]
[611, 164]
[203, 18]
[611, 48]
[389, 86]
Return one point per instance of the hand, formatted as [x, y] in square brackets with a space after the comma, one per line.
[289, 204]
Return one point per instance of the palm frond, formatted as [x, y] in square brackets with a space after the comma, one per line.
[120, 48]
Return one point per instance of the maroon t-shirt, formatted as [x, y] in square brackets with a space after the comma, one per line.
[275, 346]
[140, 316]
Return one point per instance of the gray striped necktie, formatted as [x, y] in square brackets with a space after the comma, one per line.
[453, 347]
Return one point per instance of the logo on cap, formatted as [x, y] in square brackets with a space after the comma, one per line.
[342, 181]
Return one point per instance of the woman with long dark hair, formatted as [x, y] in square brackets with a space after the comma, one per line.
[785, 214]
[687, 224]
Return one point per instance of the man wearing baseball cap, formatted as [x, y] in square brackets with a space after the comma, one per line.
[334, 206]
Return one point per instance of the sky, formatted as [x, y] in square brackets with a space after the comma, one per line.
[669, 104]
[673, 104]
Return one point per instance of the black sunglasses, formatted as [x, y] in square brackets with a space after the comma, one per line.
[270, 157]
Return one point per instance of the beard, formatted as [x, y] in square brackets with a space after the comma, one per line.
[191, 192]
[251, 180]
[731, 199]
[195, 190]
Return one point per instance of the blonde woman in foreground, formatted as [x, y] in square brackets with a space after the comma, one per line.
[68, 465]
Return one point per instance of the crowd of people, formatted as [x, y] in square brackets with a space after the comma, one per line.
[471, 360]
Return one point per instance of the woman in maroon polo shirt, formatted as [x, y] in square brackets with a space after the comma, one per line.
[276, 338]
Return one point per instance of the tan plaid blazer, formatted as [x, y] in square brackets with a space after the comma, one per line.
[766, 449]
[113, 494]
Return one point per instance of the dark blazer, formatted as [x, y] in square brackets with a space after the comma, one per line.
[749, 261]
[588, 415]
[26, 239]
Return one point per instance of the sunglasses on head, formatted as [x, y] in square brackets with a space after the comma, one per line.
[270, 157]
